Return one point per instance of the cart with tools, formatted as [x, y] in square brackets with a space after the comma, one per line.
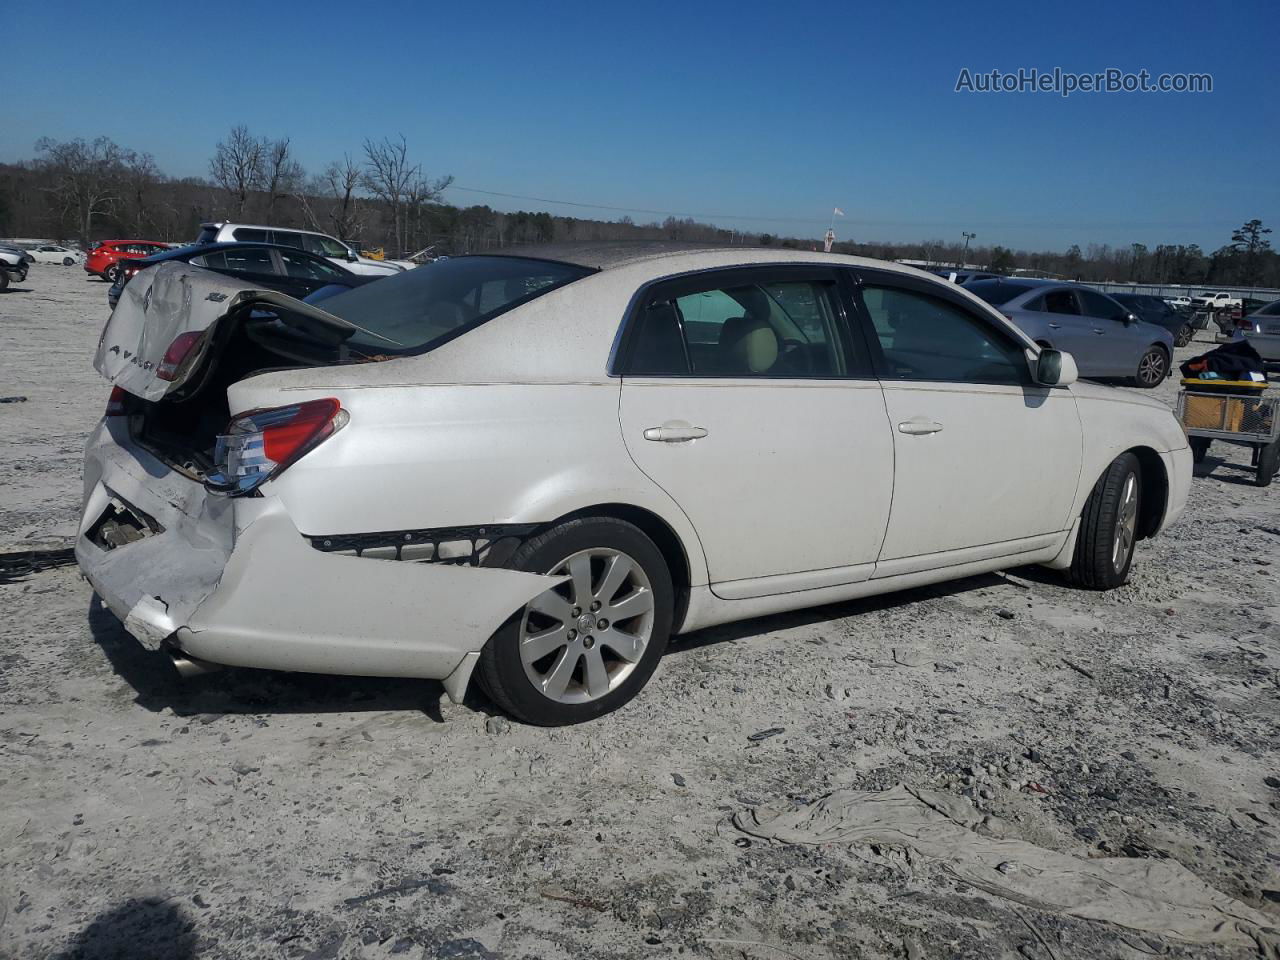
[1242, 412]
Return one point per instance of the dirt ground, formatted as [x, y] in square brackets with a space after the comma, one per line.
[251, 814]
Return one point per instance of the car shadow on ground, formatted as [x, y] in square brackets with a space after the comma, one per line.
[13, 289]
[140, 929]
[243, 691]
[746, 629]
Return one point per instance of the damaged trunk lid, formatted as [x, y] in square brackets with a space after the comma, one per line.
[169, 317]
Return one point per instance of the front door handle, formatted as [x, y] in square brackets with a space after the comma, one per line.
[675, 433]
[919, 426]
[1055, 326]
[1099, 332]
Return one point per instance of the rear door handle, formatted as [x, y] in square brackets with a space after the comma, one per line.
[675, 433]
[919, 426]
[1055, 326]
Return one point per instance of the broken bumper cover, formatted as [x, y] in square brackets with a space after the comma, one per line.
[232, 581]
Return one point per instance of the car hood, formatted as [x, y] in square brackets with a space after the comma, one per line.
[1088, 390]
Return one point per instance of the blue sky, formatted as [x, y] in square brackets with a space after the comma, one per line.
[753, 110]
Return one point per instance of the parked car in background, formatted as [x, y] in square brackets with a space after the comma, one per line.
[1262, 329]
[1105, 338]
[14, 262]
[56, 253]
[964, 276]
[319, 244]
[1215, 301]
[1179, 303]
[105, 259]
[295, 272]
[547, 463]
[1152, 309]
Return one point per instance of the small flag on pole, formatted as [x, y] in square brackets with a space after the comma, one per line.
[837, 212]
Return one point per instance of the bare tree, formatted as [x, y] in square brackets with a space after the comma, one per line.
[422, 193]
[84, 177]
[389, 176]
[282, 175]
[139, 179]
[237, 165]
[338, 184]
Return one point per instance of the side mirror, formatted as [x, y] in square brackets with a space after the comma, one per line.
[352, 256]
[1126, 318]
[1054, 368]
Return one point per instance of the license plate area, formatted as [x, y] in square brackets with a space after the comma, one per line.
[121, 524]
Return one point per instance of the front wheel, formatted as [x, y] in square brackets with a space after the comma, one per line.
[67, 262]
[1184, 335]
[4, 279]
[586, 646]
[1109, 527]
[1152, 368]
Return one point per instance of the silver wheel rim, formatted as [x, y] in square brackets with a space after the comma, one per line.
[581, 640]
[1151, 367]
[1126, 524]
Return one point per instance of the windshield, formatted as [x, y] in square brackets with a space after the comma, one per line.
[422, 308]
[996, 292]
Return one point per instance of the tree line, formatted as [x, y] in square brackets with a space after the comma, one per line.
[381, 196]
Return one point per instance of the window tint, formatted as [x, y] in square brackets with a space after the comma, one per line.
[238, 261]
[1060, 301]
[249, 235]
[322, 246]
[770, 329]
[927, 338]
[286, 238]
[1096, 305]
[207, 235]
[309, 268]
[997, 292]
[1271, 309]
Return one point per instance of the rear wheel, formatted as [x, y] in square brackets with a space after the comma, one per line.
[113, 273]
[1152, 368]
[1109, 527]
[587, 646]
[4, 279]
[1183, 336]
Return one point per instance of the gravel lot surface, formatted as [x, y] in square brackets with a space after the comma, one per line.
[250, 814]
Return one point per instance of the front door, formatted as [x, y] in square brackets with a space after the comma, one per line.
[984, 457]
[747, 400]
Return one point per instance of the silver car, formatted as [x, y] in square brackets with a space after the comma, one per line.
[1263, 331]
[1105, 338]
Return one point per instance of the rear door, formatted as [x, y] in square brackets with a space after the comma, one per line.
[745, 397]
[1067, 329]
[987, 461]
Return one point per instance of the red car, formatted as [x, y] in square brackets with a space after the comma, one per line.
[105, 259]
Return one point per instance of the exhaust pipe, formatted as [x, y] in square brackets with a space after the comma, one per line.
[189, 667]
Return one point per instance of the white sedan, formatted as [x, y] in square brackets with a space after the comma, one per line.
[53, 253]
[534, 469]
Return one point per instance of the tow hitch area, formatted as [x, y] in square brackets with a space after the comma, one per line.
[121, 525]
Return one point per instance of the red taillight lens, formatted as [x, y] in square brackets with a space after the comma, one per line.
[181, 348]
[115, 403]
[261, 443]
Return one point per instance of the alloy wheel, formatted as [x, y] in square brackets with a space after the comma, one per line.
[1151, 367]
[582, 639]
[1126, 524]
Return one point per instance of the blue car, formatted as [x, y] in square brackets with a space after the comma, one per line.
[1106, 339]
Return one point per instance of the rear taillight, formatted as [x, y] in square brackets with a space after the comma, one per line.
[116, 402]
[259, 444]
[183, 346]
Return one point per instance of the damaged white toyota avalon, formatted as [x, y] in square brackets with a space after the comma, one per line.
[534, 469]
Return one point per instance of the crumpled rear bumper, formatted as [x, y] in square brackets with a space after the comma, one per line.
[232, 581]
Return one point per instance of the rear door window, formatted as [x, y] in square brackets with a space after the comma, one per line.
[309, 268]
[250, 235]
[1061, 301]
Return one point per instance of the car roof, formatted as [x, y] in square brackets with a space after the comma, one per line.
[200, 249]
[223, 224]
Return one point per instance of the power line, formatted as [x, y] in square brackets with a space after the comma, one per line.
[939, 224]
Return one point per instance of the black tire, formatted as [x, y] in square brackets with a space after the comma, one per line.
[1268, 461]
[1183, 336]
[501, 671]
[1153, 367]
[1094, 565]
[68, 262]
[1199, 448]
[113, 273]
[4, 279]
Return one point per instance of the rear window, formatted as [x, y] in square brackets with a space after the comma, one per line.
[415, 311]
[207, 235]
[996, 292]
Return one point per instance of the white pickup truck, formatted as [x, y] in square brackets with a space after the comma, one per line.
[1216, 301]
